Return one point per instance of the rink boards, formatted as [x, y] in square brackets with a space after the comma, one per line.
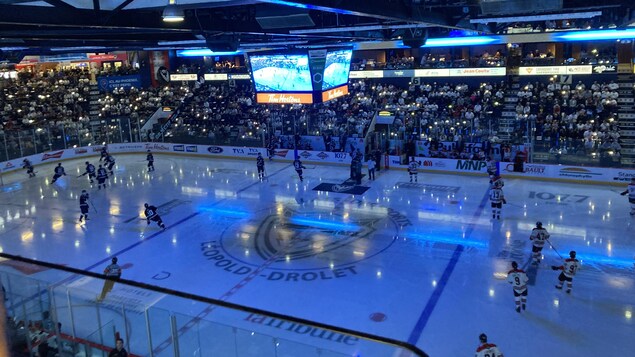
[616, 176]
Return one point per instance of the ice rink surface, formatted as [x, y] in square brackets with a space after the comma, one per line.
[423, 262]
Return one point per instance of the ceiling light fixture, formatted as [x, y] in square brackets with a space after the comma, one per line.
[172, 13]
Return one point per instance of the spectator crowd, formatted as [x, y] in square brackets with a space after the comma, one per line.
[566, 118]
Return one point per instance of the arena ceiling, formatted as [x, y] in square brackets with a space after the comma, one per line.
[54, 26]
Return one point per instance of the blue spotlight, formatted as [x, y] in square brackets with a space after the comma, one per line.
[325, 224]
[224, 212]
[595, 35]
[204, 52]
[447, 240]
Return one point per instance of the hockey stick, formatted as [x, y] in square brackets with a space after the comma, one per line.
[554, 249]
[92, 205]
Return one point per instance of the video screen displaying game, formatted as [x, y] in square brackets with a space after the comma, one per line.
[337, 67]
[281, 73]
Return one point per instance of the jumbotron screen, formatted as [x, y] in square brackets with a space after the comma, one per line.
[337, 68]
[281, 73]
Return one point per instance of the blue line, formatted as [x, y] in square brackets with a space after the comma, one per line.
[436, 294]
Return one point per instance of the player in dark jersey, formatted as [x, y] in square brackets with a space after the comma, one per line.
[83, 205]
[104, 153]
[297, 164]
[102, 175]
[152, 214]
[26, 164]
[90, 171]
[150, 159]
[59, 172]
[260, 164]
[110, 161]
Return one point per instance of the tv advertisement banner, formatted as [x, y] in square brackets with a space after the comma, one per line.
[109, 83]
[615, 176]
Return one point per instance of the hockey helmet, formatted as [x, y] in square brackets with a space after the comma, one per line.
[483, 338]
[572, 254]
[114, 260]
[145, 205]
[87, 163]
[83, 191]
[59, 164]
[539, 224]
[514, 265]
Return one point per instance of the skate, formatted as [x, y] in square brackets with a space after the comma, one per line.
[568, 291]
[518, 309]
[558, 287]
[80, 219]
[498, 218]
[524, 307]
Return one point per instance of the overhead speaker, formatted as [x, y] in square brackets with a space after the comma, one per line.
[416, 38]
[283, 18]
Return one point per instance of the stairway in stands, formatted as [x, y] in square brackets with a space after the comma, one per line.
[507, 121]
[93, 101]
[626, 118]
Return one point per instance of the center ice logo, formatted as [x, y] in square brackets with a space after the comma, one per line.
[312, 242]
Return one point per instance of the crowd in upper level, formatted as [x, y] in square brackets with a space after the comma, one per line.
[569, 118]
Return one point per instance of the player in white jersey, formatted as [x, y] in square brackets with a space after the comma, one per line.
[538, 238]
[630, 190]
[497, 198]
[487, 349]
[518, 278]
[412, 169]
[569, 269]
[497, 181]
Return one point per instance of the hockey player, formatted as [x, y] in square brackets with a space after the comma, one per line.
[150, 159]
[83, 205]
[569, 269]
[297, 164]
[538, 238]
[102, 175]
[110, 161]
[497, 198]
[492, 169]
[152, 215]
[487, 349]
[497, 181]
[113, 272]
[90, 171]
[518, 279]
[412, 169]
[59, 172]
[260, 164]
[104, 153]
[26, 164]
[630, 190]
